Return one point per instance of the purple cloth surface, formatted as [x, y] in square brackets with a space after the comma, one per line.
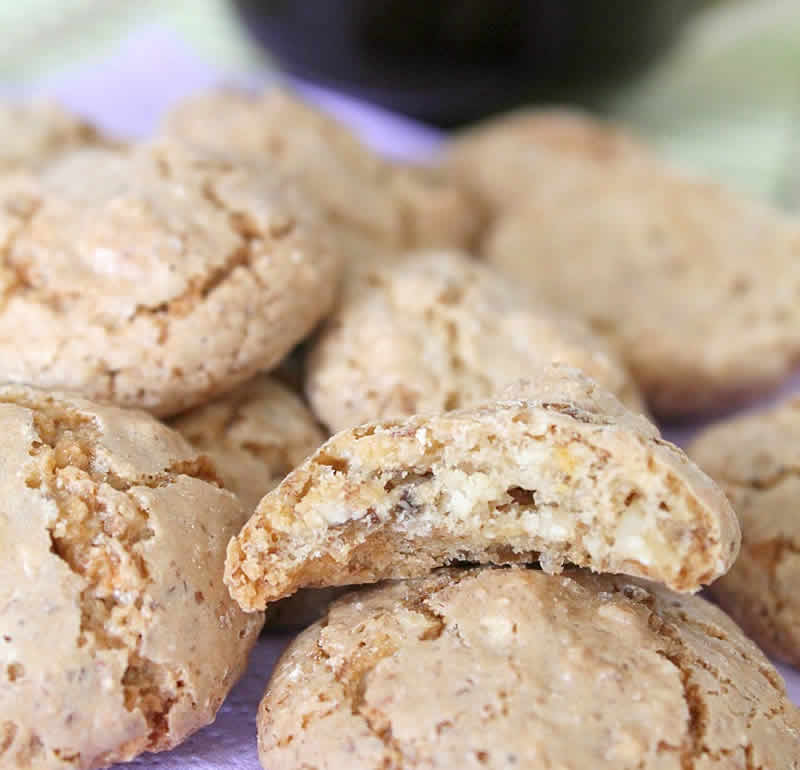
[127, 95]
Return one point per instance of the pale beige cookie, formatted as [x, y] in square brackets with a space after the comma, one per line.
[32, 135]
[255, 435]
[371, 199]
[512, 668]
[755, 458]
[695, 287]
[156, 278]
[439, 331]
[563, 474]
[501, 159]
[118, 635]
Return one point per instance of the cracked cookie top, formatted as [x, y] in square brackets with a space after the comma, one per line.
[694, 286]
[156, 277]
[499, 668]
[113, 534]
[255, 434]
[755, 458]
[558, 472]
[376, 202]
[439, 331]
[32, 135]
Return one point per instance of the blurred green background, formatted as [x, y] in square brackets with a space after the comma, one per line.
[724, 100]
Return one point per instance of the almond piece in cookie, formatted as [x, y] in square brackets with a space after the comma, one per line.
[563, 473]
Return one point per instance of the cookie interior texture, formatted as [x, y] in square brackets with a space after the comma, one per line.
[563, 474]
[256, 434]
[499, 668]
[693, 285]
[437, 330]
[113, 535]
[157, 277]
[755, 458]
[371, 199]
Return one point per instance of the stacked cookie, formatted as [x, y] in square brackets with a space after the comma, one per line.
[175, 277]
[254, 276]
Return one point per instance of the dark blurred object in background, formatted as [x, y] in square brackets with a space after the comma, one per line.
[449, 62]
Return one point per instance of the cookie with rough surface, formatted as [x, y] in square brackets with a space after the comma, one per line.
[32, 135]
[695, 287]
[156, 278]
[440, 331]
[255, 435]
[511, 668]
[502, 158]
[112, 540]
[561, 472]
[755, 458]
[373, 200]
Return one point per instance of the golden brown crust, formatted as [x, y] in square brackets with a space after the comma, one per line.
[561, 472]
[155, 278]
[113, 535]
[499, 668]
[755, 458]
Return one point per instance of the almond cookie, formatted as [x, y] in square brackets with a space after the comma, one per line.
[117, 635]
[255, 435]
[440, 331]
[755, 458]
[513, 668]
[371, 199]
[32, 135]
[563, 473]
[501, 159]
[695, 287]
[156, 278]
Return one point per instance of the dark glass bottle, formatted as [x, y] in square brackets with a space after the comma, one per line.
[449, 62]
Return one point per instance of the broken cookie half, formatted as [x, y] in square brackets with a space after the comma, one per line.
[558, 471]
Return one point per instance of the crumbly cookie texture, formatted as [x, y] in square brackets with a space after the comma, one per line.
[504, 668]
[156, 278]
[694, 286]
[755, 458]
[255, 435]
[439, 331]
[562, 474]
[372, 200]
[503, 158]
[112, 543]
[32, 135]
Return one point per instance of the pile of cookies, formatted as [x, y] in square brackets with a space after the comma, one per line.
[184, 322]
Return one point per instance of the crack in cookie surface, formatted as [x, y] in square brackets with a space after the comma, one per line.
[108, 495]
[175, 277]
[517, 668]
